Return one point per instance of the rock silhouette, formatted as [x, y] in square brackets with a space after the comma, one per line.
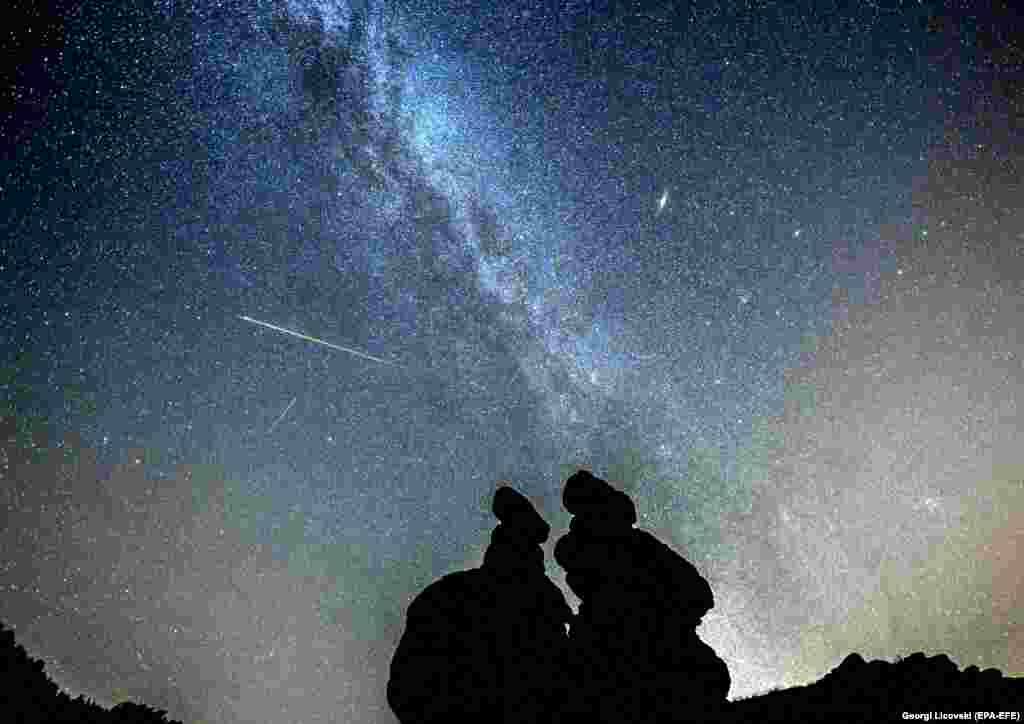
[488, 643]
[634, 648]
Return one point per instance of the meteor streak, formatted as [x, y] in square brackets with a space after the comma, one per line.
[306, 337]
[281, 416]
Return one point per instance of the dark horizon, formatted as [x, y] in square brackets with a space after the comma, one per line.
[602, 541]
[215, 516]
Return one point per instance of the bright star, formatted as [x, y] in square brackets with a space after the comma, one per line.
[662, 201]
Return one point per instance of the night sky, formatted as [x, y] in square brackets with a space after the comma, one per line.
[758, 264]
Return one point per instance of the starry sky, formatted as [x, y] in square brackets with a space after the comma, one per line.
[757, 263]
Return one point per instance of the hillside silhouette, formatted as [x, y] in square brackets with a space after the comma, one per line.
[860, 691]
[29, 696]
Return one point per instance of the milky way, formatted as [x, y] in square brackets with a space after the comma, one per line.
[759, 268]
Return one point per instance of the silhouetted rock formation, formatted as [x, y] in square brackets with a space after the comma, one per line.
[634, 647]
[488, 643]
[857, 691]
[29, 696]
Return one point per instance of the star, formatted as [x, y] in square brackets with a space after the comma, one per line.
[662, 201]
